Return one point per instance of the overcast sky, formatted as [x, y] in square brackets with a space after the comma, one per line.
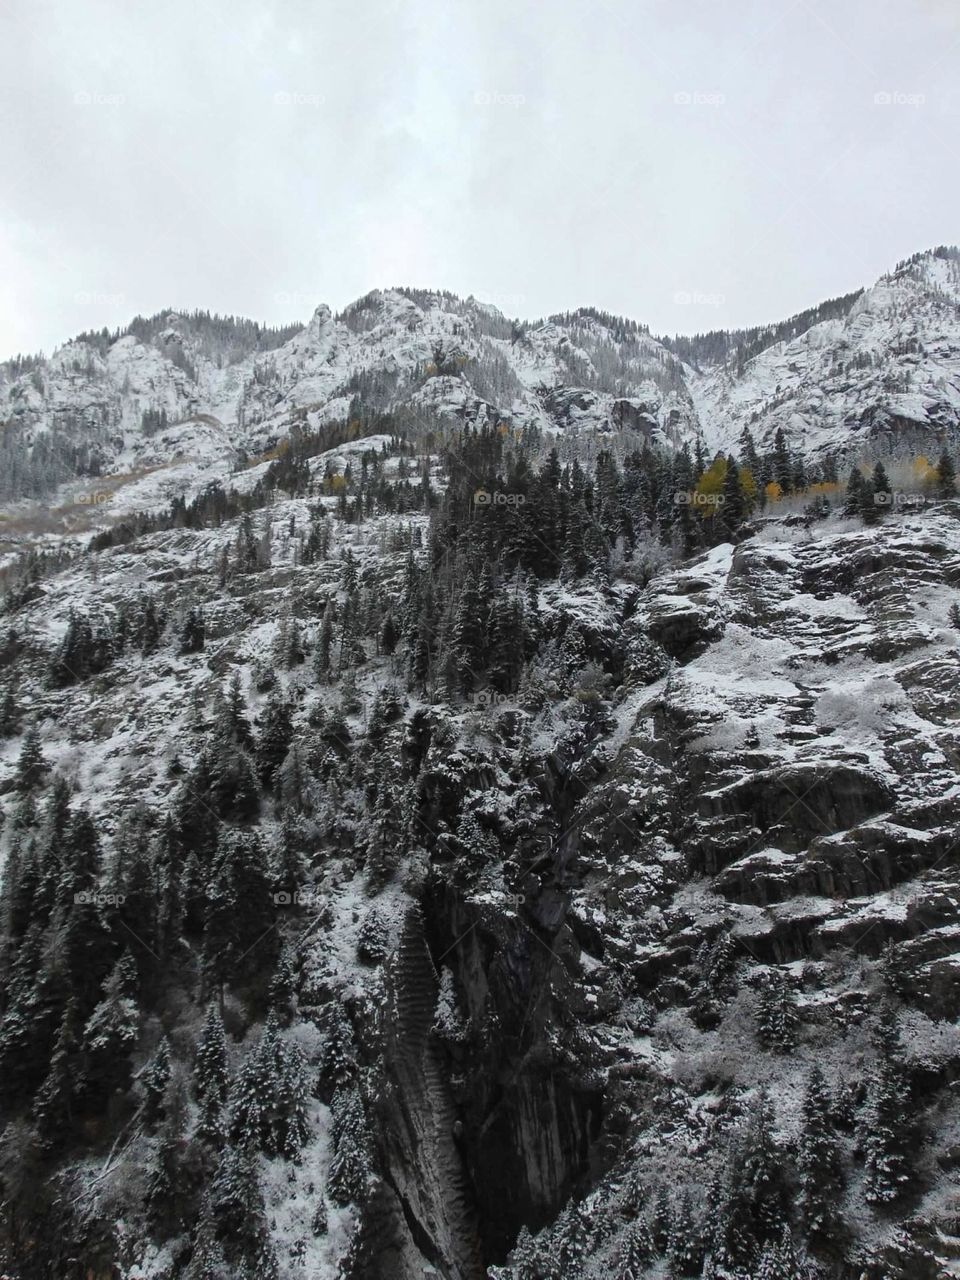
[694, 165]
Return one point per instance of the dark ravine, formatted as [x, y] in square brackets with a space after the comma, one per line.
[529, 1116]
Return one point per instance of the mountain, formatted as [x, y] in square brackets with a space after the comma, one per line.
[878, 379]
[188, 398]
[469, 845]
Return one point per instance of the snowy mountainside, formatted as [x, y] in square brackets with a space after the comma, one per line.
[437, 355]
[880, 378]
[395, 885]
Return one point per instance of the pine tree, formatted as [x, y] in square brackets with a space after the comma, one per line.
[31, 765]
[782, 465]
[777, 1019]
[569, 1246]
[946, 476]
[55, 1100]
[10, 713]
[820, 1163]
[749, 1204]
[882, 494]
[479, 851]
[237, 1216]
[192, 631]
[239, 933]
[683, 1248]
[779, 1261]
[231, 789]
[887, 1131]
[319, 1222]
[235, 722]
[734, 509]
[660, 1223]
[636, 1249]
[283, 988]
[870, 509]
[110, 1036]
[350, 1167]
[524, 1262]
[321, 659]
[276, 734]
[853, 503]
[269, 1108]
[210, 1074]
[338, 1067]
[467, 643]
[389, 635]
[714, 967]
[155, 1081]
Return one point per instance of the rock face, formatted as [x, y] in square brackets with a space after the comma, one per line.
[428, 1192]
[809, 811]
[881, 378]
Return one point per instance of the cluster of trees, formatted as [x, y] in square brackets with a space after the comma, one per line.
[89, 646]
[225, 340]
[772, 1208]
[33, 470]
[870, 495]
[720, 345]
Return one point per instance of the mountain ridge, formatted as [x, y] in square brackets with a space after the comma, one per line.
[875, 373]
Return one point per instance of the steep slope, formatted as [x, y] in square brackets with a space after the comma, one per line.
[96, 404]
[883, 380]
[187, 399]
[521, 947]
